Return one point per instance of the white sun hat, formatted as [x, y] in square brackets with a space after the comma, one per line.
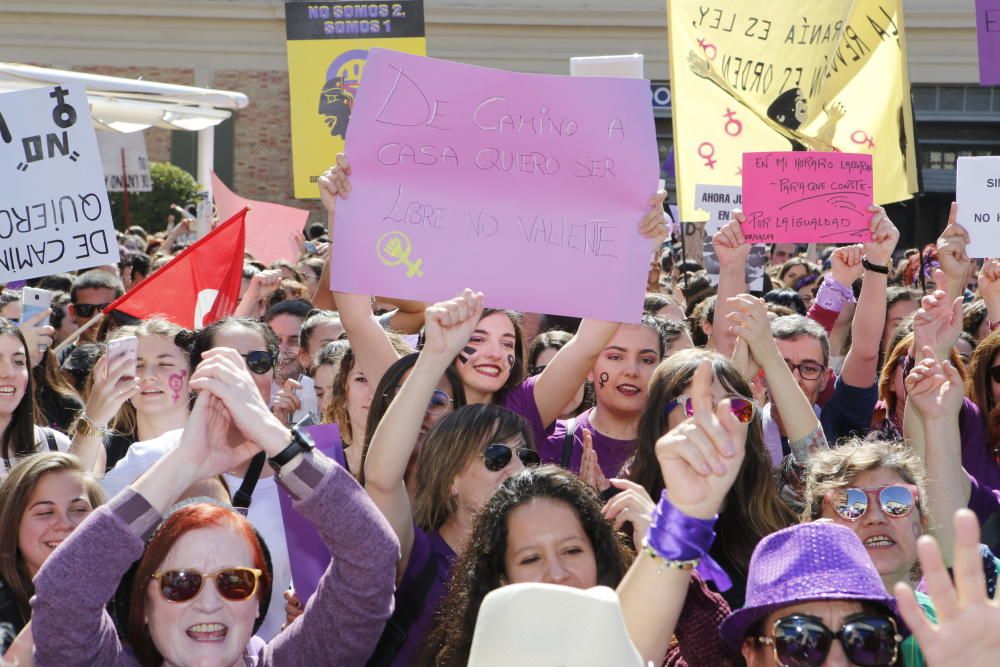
[546, 625]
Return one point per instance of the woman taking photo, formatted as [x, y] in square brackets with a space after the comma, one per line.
[202, 584]
[42, 502]
[19, 437]
[122, 409]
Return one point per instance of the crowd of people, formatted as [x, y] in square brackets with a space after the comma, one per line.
[790, 477]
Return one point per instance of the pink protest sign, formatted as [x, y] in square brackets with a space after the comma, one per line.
[527, 187]
[807, 197]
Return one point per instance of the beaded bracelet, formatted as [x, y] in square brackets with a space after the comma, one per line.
[684, 565]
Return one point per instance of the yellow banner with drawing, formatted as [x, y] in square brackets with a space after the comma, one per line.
[824, 75]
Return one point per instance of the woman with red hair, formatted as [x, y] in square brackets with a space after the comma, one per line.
[203, 580]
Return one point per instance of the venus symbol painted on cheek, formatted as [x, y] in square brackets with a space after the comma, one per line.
[510, 361]
[603, 379]
[175, 381]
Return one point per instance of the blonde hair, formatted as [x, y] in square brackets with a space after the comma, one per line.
[837, 468]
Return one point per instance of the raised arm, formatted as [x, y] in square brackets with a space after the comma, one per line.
[861, 361]
[937, 324]
[934, 392]
[989, 289]
[409, 315]
[262, 285]
[952, 255]
[106, 398]
[449, 325]
[750, 322]
[699, 460]
[732, 250]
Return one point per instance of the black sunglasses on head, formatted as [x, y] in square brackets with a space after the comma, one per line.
[259, 361]
[498, 456]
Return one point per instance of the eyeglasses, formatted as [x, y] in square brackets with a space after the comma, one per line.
[497, 456]
[801, 640]
[743, 408]
[88, 309]
[259, 361]
[233, 583]
[896, 500]
[440, 400]
[995, 373]
[807, 370]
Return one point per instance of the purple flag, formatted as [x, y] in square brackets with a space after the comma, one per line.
[988, 29]
[307, 554]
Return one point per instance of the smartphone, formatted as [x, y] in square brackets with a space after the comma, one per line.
[33, 301]
[125, 348]
[310, 247]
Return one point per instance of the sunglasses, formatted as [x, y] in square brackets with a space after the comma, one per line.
[800, 640]
[497, 456]
[259, 361]
[440, 400]
[743, 408]
[89, 309]
[896, 500]
[233, 583]
[995, 373]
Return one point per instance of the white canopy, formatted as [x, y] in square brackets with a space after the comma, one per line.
[131, 105]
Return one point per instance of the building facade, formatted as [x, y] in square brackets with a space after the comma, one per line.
[240, 45]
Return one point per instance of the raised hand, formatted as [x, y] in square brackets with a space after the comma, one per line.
[937, 323]
[700, 458]
[38, 338]
[264, 284]
[335, 182]
[989, 286]
[204, 446]
[223, 373]
[633, 505]
[884, 237]
[731, 248]
[448, 325]
[750, 322]
[845, 264]
[934, 389]
[967, 632]
[656, 221]
[590, 467]
[952, 254]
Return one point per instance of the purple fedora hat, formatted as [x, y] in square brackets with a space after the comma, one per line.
[803, 563]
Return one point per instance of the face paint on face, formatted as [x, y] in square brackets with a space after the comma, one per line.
[466, 353]
[604, 380]
[510, 361]
[176, 382]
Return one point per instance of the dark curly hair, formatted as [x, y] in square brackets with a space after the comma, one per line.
[480, 569]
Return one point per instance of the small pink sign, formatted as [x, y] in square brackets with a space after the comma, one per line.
[806, 197]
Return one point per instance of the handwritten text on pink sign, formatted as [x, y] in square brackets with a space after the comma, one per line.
[527, 187]
[807, 197]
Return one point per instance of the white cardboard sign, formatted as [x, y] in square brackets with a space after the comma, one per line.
[54, 213]
[718, 201]
[125, 161]
[977, 191]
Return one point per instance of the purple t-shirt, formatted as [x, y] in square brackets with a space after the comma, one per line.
[977, 457]
[426, 546]
[521, 400]
[611, 453]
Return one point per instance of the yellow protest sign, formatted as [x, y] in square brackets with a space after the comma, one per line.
[777, 76]
[328, 43]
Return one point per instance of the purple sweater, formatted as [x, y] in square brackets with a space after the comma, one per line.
[342, 621]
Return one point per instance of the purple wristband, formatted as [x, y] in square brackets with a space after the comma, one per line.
[832, 295]
[675, 536]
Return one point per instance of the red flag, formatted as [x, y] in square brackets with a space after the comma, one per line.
[198, 286]
[270, 227]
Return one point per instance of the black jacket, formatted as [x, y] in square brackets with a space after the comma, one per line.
[11, 621]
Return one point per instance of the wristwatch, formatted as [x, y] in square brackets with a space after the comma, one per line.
[301, 442]
[88, 428]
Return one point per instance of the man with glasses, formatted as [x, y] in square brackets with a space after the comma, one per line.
[92, 292]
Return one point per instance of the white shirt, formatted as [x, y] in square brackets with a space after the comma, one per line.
[41, 445]
[264, 514]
